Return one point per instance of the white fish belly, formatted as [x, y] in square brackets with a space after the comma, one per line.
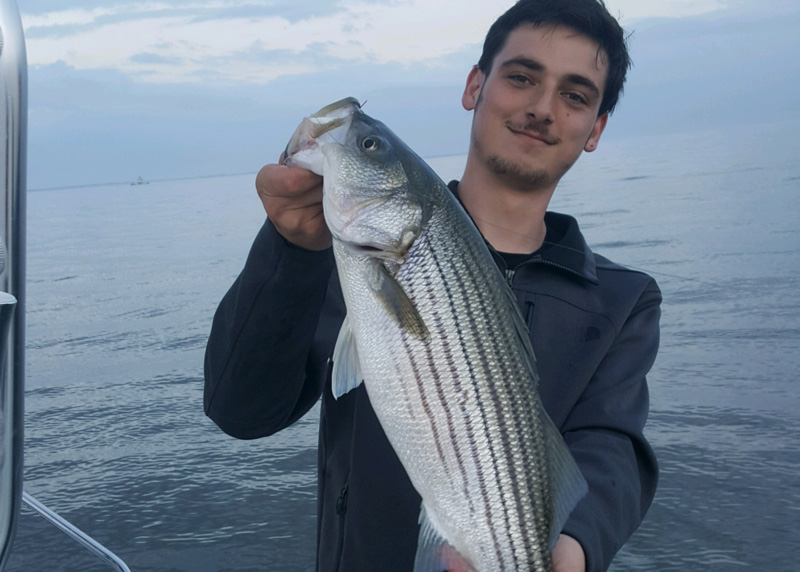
[459, 407]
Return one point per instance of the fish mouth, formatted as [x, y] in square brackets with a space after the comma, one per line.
[332, 116]
[350, 104]
[319, 129]
[316, 129]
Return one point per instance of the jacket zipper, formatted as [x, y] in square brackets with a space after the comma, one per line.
[341, 509]
[556, 265]
[509, 273]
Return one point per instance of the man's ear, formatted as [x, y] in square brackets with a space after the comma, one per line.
[597, 131]
[472, 91]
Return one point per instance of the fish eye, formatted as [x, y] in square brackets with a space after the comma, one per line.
[369, 144]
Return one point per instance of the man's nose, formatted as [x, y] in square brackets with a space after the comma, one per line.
[541, 105]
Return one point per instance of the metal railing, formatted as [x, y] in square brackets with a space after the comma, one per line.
[13, 147]
[76, 534]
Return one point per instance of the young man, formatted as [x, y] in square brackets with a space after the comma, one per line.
[550, 74]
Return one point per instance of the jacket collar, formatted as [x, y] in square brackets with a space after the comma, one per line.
[568, 252]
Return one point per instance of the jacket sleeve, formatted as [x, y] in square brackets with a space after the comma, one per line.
[604, 432]
[262, 369]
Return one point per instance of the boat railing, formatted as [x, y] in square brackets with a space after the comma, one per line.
[13, 145]
[13, 148]
[76, 534]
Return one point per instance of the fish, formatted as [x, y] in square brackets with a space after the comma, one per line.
[434, 333]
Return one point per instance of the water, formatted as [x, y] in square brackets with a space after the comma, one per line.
[123, 282]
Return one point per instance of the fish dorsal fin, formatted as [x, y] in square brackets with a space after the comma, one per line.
[397, 303]
[346, 374]
[567, 482]
[434, 553]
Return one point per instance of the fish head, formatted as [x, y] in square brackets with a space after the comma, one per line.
[369, 201]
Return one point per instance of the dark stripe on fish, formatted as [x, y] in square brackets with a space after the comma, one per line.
[472, 324]
[442, 336]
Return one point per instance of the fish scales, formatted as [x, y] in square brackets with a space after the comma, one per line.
[431, 269]
[433, 331]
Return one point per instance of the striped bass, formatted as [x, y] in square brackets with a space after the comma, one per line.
[435, 334]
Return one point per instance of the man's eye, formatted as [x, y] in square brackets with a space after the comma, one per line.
[519, 78]
[576, 98]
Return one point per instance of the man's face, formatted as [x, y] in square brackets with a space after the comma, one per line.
[537, 109]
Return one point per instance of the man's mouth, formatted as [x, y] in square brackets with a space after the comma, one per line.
[533, 132]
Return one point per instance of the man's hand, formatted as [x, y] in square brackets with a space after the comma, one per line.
[292, 198]
[454, 562]
[568, 555]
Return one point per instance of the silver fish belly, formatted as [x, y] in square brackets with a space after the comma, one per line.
[434, 333]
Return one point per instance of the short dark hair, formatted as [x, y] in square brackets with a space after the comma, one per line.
[587, 17]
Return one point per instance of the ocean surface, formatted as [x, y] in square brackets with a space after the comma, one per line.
[123, 282]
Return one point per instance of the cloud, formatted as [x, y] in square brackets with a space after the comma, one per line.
[118, 90]
[180, 42]
[63, 18]
[628, 11]
[147, 58]
[216, 37]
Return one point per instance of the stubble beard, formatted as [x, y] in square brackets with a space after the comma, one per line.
[518, 176]
[511, 173]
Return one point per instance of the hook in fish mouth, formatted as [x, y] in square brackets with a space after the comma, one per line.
[335, 106]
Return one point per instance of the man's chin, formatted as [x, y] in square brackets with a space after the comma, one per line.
[518, 175]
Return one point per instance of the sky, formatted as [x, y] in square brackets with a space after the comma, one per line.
[167, 89]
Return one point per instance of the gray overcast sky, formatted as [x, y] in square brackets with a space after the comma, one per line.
[167, 89]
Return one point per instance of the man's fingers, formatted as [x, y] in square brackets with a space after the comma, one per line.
[282, 181]
[292, 199]
[453, 561]
[291, 215]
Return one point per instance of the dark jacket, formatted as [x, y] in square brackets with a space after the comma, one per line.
[594, 328]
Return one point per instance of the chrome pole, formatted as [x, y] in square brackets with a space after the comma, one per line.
[13, 146]
[77, 534]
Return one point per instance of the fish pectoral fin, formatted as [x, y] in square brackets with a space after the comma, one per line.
[346, 374]
[434, 553]
[568, 484]
[397, 303]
